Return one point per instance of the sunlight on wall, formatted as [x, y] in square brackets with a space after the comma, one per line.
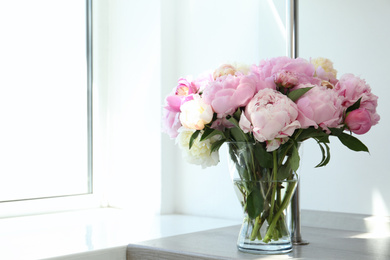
[278, 19]
[379, 207]
[378, 226]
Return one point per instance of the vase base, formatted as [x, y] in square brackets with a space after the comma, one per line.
[265, 250]
[300, 242]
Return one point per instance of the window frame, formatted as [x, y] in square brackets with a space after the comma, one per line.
[90, 199]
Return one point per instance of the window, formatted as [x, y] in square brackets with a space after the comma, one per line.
[45, 99]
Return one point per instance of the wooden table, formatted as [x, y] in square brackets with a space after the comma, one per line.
[221, 244]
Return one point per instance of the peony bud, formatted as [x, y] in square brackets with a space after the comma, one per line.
[287, 79]
[358, 121]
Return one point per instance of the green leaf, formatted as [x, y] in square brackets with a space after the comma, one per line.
[311, 132]
[264, 158]
[209, 132]
[352, 142]
[336, 131]
[356, 105]
[324, 139]
[193, 137]
[326, 161]
[325, 154]
[292, 164]
[295, 94]
[233, 121]
[283, 172]
[237, 114]
[294, 158]
[237, 132]
[254, 203]
[215, 146]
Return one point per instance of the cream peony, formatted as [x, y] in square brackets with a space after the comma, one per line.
[324, 69]
[199, 153]
[195, 113]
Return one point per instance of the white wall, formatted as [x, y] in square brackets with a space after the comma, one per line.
[354, 34]
[127, 95]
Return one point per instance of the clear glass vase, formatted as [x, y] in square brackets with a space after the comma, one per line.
[267, 232]
[264, 190]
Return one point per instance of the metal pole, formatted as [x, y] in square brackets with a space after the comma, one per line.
[292, 52]
[292, 28]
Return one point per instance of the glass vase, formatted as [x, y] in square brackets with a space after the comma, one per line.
[264, 194]
[267, 233]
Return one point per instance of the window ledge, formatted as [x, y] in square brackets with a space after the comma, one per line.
[91, 234]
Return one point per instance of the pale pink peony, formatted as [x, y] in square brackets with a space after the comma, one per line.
[228, 93]
[300, 68]
[271, 116]
[351, 88]
[320, 106]
[358, 121]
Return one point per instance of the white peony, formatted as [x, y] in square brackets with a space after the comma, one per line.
[199, 153]
[195, 113]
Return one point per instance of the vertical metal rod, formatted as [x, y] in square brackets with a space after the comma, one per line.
[292, 28]
[89, 91]
[292, 52]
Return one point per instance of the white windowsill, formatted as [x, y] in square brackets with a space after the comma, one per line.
[91, 234]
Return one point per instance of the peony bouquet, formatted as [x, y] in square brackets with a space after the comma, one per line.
[267, 110]
[268, 103]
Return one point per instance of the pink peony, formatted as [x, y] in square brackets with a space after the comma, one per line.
[228, 93]
[183, 92]
[351, 88]
[320, 106]
[358, 121]
[185, 88]
[300, 68]
[271, 116]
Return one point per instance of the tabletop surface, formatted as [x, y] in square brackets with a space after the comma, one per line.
[221, 244]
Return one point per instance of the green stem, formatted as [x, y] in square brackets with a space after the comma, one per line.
[284, 205]
[256, 228]
[274, 184]
[279, 194]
